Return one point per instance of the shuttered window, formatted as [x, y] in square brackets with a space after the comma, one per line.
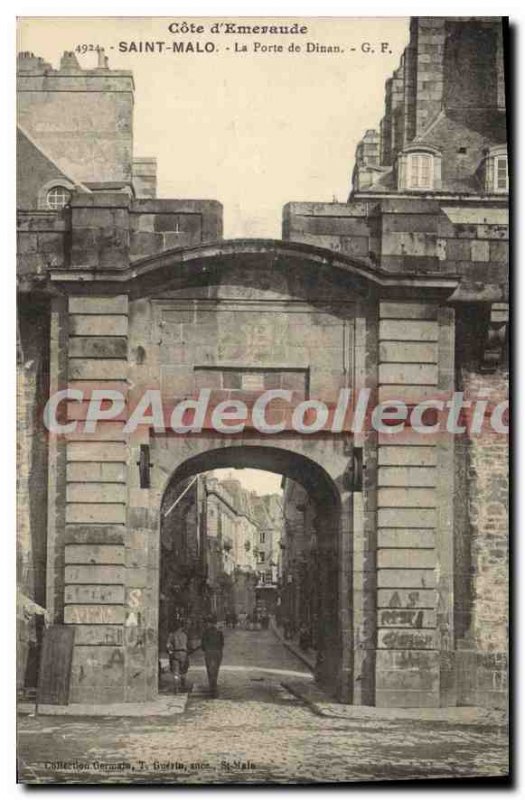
[420, 171]
[501, 174]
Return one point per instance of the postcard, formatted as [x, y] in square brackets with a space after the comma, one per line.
[263, 409]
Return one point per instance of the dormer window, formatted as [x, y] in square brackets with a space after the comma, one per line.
[419, 169]
[56, 194]
[501, 174]
[58, 197]
[496, 170]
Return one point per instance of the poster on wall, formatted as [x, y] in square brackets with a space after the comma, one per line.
[262, 276]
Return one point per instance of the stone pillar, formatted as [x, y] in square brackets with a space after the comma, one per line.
[96, 503]
[445, 490]
[365, 517]
[143, 515]
[56, 489]
[344, 598]
[100, 231]
[411, 528]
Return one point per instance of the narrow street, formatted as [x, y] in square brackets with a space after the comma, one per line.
[254, 732]
[253, 666]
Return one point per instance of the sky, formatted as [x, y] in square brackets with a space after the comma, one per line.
[252, 130]
[254, 480]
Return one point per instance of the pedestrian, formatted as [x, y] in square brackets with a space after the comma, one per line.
[304, 637]
[212, 643]
[177, 647]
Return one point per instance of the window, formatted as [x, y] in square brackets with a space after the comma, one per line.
[501, 174]
[494, 170]
[420, 171]
[419, 168]
[262, 537]
[58, 197]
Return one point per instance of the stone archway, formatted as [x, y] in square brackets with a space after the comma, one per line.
[220, 316]
[329, 499]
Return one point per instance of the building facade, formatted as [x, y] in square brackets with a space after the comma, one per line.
[228, 517]
[402, 291]
[187, 559]
[430, 196]
[267, 512]
[209, 562]
[299, 607]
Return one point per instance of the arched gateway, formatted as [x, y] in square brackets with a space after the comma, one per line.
[238, 318]
[332, 509]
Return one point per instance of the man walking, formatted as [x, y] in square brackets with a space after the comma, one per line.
[177, 647]
[212, 643]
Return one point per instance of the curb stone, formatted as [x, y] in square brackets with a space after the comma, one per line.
[308, 662]
[321, 705]
[163, 706]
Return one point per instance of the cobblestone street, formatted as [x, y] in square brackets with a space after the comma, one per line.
[254, 732]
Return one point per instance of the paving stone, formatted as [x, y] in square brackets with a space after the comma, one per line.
[259, 731]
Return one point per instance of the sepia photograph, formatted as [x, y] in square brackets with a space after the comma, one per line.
[262, 400]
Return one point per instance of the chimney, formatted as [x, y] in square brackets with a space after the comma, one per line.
[69, 61]
[102, 59]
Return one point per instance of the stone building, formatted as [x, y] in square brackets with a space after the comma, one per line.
[255, 530]
[208, 560]
[268, 516]
[299, 593]
[401, 291]
[185, 556]
[229, 523]
[430, 197]
[443, 140]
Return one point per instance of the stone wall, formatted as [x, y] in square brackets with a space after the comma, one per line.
[34, 172]
[41, 246]
[413, 235]
[33, 387]
[145, 177]
[414, 516]
[82, 119]
[483, 603]
[182, 565]
[341, 227]
[436, 559]
[247, 319]
[32, 466]
[473, 63]
[106, 543]
[96, 547]
[108, 230]
[449, 64]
